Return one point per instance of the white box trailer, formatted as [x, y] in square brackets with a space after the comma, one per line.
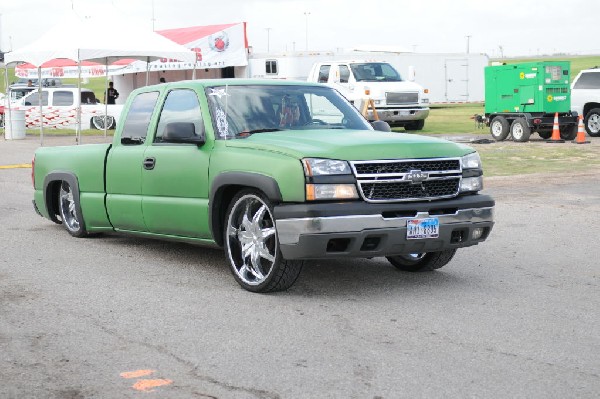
[450, 78]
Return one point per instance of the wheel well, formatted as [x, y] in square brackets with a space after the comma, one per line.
[589, 106]
[52, 205]
[221, 202]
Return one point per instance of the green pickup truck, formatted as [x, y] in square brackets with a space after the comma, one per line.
[275, 172]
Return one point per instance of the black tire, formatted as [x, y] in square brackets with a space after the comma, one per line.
[416, 125]
[70, 211]
[258, 266]
[568, 133]
[98, 121]
[424, 262]
[499, 128]
[519, 130]
[592, 122]
[545, 135]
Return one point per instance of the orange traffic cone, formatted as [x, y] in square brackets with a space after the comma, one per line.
[555, 132]
[580, 133]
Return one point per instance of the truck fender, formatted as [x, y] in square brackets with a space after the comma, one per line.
[224, 187]
[50, 190]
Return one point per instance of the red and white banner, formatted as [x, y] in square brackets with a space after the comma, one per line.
[216, 46]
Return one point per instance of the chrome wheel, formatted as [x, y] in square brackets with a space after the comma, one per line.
[252, 246]
[100, 121]
[593, 124]
[419, 262]
[68, 209]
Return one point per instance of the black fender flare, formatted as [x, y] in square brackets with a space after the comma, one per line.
[51, 201]
[219, 189]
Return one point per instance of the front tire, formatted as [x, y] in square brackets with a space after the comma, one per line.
[70, 211]
[499, 128]
[252, 245]
[592, 122]
[422, 262]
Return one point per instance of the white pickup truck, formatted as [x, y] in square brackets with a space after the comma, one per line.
[397, 102]
[59, 109]
[585, 99]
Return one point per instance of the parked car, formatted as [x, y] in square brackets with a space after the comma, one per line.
[585, 99]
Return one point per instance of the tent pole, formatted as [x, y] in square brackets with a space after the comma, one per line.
[7, 101]
[78, 130]
[106, 96]
[41, 100]
[147, 69]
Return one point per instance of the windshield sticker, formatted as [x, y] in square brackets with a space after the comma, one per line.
[222, 125]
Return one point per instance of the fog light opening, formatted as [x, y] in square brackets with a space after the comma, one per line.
[477, 233]
[338, 245]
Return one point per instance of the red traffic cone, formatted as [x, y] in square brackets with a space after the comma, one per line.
[555, 132]
[580, 132]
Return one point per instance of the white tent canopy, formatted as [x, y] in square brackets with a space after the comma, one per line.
[103, 37]
[99, 38]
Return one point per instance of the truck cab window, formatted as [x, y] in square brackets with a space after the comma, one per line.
[180, 106]
[324, 73]
[34, 99]
[63, 98]
[135, 128]
[344, 73]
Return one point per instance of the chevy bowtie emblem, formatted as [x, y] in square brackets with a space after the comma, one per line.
[416, 176]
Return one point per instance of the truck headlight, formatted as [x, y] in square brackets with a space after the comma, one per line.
[472, 179]
[320, 167]
[320, 186]
[471, 161]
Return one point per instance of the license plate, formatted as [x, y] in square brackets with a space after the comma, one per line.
[422, 228]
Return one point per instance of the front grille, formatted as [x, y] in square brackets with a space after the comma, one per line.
[402, 98]
[408, 180]
[436, 165]
[404, 191]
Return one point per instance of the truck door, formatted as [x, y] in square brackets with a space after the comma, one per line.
[175, 175]
[125, 163]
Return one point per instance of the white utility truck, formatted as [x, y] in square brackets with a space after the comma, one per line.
[398, 102]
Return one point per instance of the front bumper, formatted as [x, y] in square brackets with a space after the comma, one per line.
[399, 114]
[342, 231]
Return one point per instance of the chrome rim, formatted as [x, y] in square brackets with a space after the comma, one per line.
[67, 208]
[412, 258]
[102, 120]
[594, 123]
[252, 240]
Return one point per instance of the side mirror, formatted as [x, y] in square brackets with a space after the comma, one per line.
[381, 126]
[183, 132]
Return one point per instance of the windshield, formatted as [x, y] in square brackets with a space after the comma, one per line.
[240, 111]
[375, 72]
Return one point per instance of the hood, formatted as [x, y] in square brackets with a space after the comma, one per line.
[351, 145]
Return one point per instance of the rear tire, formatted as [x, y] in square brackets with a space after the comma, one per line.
[422, 262]
[70, 211]
[499, 128]
[252, 245]
[519, 130]
[592, 122]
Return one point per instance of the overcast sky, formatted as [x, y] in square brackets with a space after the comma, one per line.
[510, 27]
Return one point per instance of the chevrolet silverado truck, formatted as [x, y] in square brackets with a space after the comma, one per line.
[585, 99]
[244, 165]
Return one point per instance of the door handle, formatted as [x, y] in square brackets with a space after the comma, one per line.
[149, 163]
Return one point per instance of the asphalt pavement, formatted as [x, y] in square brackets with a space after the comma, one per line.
[121, 317]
